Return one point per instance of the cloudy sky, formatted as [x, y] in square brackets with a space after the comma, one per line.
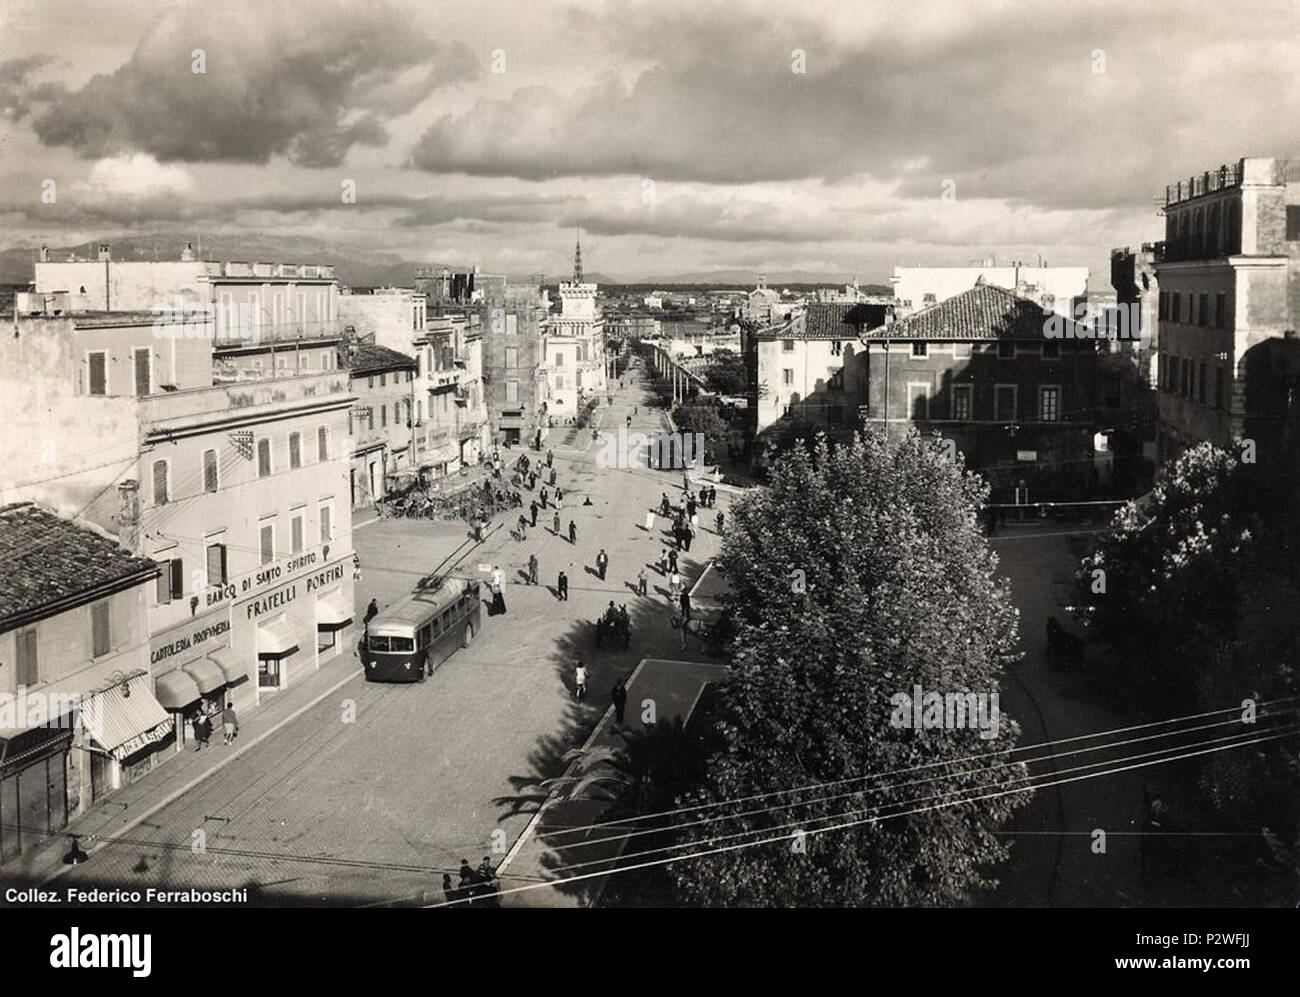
[679, 136]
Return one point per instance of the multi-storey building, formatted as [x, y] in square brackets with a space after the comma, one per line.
[514, 354]
[236, 486]
[382, 424]
[980, 369]
[1229, 273]
[575, 345]
[809, 368]
[78, 718]
[1054, 289]
[387, 316]
[452, 409]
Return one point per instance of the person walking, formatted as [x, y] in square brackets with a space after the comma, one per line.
[672, 561]
[202, 730]
[602, 562]
[523, 527]
[641, 588]
[685, 602]
[229, 722]
[555, 524]
[719, 521]
[550, 458]
[371, 612]
[532, 569]
[573, 532]
[562, 587]
[687, 534]
[542, 495]
[665, 508]
[674, 585]
[532, 508]
[618, 696]
[580, 681]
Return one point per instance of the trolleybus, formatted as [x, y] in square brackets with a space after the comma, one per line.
[406, 641]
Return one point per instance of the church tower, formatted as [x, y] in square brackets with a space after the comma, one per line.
[577, 258]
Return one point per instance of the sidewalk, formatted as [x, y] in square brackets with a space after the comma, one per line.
[566, 837]
[133, 804]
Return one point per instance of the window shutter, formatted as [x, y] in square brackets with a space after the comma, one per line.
[160, 482]
[210, 470]
[177, 578]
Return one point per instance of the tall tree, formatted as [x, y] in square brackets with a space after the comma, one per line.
[858, 574]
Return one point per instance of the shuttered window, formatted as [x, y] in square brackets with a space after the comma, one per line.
[101, 637]
[210, 482]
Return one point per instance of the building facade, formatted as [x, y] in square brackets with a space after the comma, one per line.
[1229, 288]
[576, 364]
[382, 424]
[1054, 289]
[78, 718]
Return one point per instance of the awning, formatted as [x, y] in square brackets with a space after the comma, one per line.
[275, 640]
[333, 612]
[125, 717]
[228, 661]
[176, 690]
[205, 673]
[510, 422]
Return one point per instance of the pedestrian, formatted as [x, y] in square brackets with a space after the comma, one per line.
[550, 458]
[552, 475]
[685, 602]
[719, 521]
[532, 508]
[662, 563]
[498, 592]
[672, 560]
[485, 871]
[573, 532]
[466, 875]
[665, 509]
[674, 585]
[229, 722]
[687, 534]
[371, 612]
[562, 587]
[523, 527]
[202, 730]
[559, 497]
[580, 681]
[449, 891]
[542, 496]
[602, 562]
[690, 507]
[618, 695]
[356, 568]
[641, 588]
[555, 524]
[532, 569]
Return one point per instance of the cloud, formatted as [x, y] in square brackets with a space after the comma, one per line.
[18, 94]
[279, 80]
[1008, 105]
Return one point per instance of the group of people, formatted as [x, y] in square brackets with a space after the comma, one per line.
[203, 726]
[478, 886]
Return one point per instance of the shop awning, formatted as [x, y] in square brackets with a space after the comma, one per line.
[205, 674]
[125, 717]
[510, 422]
[275, 640]
[333, 612]
[176, 690]
[228, 661]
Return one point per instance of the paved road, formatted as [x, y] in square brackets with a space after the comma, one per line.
[374, 810]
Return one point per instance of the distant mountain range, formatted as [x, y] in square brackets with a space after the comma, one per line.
[357, 266]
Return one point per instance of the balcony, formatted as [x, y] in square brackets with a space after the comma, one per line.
[1203, 183]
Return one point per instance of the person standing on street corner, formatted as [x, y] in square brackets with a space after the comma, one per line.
[562, 587]
[573, 532]
[556, 524]
[532, 569]
[618, 695]
[686, 604]
[532, 508]
[550, 458]
[641, 583]
[602, 562]
[229, 722]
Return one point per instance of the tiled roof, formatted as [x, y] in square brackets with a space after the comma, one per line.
[823, 320]
[48, 559]
[367, 358]
[984, 312]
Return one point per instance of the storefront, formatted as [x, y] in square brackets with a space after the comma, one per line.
[193, 671]
[289, 630]
[123, 726]
[34, 785]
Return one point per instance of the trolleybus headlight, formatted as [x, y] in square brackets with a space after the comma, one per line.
[407, 666]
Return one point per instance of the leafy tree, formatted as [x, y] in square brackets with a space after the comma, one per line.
[1162, 585]
[700, 418]
[726, 373]
[858, 573]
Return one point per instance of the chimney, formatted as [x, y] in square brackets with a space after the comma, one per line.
[45, 254]
[105, 253]
[128, 515]
[187, 254]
